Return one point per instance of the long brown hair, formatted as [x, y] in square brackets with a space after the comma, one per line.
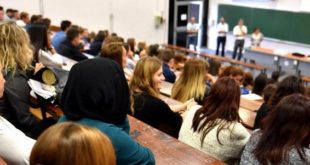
[285, 128]
[192, 82]
[72, 143]
[287, 86]
[142, 79]
[220, 108]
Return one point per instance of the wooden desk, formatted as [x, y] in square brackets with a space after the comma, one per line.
[166, 149]
[269, 58]
[251, 105]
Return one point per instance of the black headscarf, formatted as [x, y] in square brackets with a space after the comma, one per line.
[96, 89]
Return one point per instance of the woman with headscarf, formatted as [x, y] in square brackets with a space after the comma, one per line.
[97, 95]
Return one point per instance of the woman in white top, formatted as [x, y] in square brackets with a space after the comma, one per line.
[15, 146]
[215, 128]
[256, 37]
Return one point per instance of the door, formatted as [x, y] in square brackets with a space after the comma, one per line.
[184, 10]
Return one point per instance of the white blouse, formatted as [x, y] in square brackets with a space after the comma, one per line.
[15, 146]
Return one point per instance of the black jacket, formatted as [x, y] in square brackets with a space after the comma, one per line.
[14, 105]
[66, 48]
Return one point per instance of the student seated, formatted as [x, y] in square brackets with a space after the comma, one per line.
[215, 128]
[97, 95]
[260, 83]
[179, 61]
[284, 137]
[267, 92]
[237, 74]
[95, 46]
[233, 72]
[117, 52]
[248, 81]
[60, 36]
[43, 49]
[148, 107]
[74, 144]
[167, 56]
[69, 47]
[192, 82]
[15, 146]
[288, 86]
[16, 58]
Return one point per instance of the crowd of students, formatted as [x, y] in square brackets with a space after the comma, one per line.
[101, 92]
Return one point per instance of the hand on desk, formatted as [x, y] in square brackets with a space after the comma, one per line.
[183, 107]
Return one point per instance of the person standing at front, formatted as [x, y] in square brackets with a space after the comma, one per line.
[240, 31]
[222, 29]
[192, 32]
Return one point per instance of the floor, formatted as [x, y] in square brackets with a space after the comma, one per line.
[267, 43]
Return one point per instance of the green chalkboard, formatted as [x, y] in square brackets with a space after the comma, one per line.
[284, 25]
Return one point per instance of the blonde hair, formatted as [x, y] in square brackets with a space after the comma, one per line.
[191, 83]
[72, 143]
[142, 79]
[15, 48]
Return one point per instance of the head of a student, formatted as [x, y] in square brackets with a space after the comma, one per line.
[222, 20]
[47, 22]
[16, 15]
[65, 25]
[73, 35]
[192, 81]
[284, 129]
[102, 94]
[116, 52]
[38, 35]
[152, 50]
[100, 36]
[34, 19]
[142, 45]
[2, 82]
[84, 33]
[221, 103]
[241, 22]
[288, 86]
[1, 13]
[214, 67]
[111, 39]
[248, 79]
[256, 30]
[132, 44]
[24, 16]
[147, 76]
[268, 91]
[9, 12]
[193, 20]
[275, 76]
[72, 143]
[167, 56]
[260, 83]
[15, 47]
[233, 72]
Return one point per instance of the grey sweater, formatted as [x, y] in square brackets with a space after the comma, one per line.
[249, 158]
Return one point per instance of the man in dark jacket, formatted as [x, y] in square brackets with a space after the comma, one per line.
[69, 47]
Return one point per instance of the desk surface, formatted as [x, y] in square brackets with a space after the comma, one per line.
[166, 149]
[271, 52]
